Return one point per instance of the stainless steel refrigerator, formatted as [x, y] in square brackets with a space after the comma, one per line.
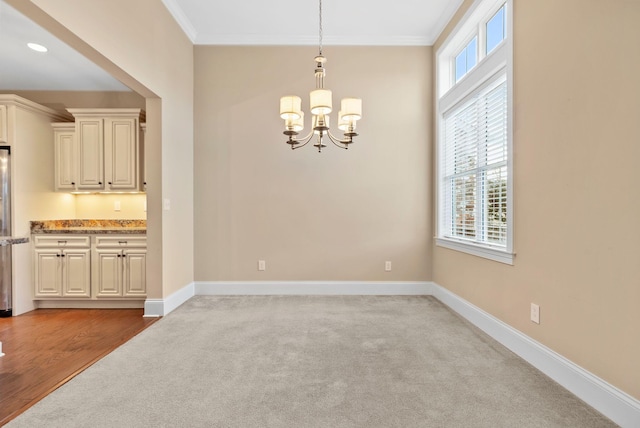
[5, 230]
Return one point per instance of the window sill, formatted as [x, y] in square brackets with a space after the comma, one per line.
[494, 254]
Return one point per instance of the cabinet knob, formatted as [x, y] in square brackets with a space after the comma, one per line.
[62, 255]
[100, 183]
[57, 255]
[73, 183]
[109, 183]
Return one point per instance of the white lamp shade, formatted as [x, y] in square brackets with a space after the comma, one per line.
[320, 101]
[343, 124]
[290, 107]
[351, 108]
[298, 124]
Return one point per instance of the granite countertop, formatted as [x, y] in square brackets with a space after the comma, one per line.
[10, 240]
[120, 227]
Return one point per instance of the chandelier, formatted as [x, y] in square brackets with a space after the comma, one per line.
[320, 107]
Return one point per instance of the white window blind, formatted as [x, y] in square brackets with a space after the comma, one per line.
[474, 167]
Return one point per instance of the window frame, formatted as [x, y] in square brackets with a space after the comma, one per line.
[451, 94]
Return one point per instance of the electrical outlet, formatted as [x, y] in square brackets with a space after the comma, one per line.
[535, 313]
[387, 266]
[262, 265]
[116, 206]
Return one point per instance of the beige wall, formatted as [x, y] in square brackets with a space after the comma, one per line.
[141, 44]
[576, 153]
[31, 138]
[335, 215]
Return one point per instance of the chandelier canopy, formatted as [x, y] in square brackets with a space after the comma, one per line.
[320, 108]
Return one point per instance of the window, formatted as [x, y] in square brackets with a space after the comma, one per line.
[495, 30]
[467, 58]
[474, 163]
[474, 171]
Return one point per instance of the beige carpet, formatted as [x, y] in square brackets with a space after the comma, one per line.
[301, 361]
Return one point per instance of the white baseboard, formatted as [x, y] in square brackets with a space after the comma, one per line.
[162, 307]
[309, 288]
[604, 397]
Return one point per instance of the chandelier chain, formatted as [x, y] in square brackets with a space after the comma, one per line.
[320, 32]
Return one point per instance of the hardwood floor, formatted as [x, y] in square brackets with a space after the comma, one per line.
[47, 347]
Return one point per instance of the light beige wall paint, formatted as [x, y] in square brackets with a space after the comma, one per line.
[335, 215]
[576, 150]
[33, 193]
[103, 206]
[141, 44]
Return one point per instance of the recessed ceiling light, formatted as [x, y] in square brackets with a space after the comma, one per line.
[36, 47]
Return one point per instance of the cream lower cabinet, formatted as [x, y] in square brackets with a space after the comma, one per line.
[119, 267]
[62, 267]
[96, 267]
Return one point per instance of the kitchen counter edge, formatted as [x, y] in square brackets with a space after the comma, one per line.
[91, 231]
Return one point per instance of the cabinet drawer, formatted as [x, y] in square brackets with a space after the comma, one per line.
[61, 241]
[128, 241]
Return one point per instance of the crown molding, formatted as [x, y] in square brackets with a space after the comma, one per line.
[181, 18]
[306, 40]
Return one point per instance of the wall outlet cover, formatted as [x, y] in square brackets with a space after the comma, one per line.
[535, 313]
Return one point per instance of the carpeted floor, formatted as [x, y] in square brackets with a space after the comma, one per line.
[311, 361]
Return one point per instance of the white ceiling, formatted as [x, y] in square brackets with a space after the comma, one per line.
[61, 68]
[295, 22]
[238, 22]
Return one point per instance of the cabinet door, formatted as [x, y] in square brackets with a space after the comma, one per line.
[3, 125]
[76, 273]
[48, 273]
[65, 160]
[121, 153]
[135, 273]
[107, 276]
[143, 153]
[90, 139]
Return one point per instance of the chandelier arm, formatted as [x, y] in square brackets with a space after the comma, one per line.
[300, 140]
[338, 142]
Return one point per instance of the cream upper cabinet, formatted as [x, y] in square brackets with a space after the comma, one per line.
[143, 140]
[121, 153]
[3, 125]
[90, 140]
[107, 152]
[66, 155]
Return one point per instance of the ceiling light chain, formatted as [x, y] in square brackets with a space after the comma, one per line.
[320, 103]
[320, 29]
